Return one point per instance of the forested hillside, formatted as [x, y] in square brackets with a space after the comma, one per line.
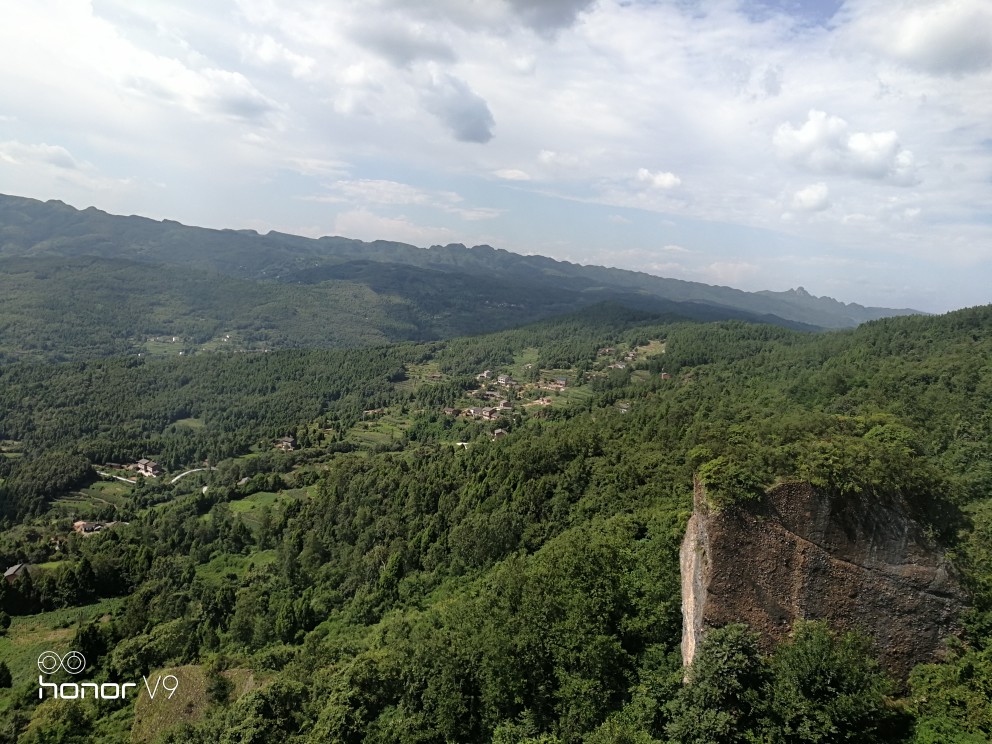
[123, 283]
[409, 571]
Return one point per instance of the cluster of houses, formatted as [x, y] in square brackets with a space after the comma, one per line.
[558, 384]
[85, 528]
[500, 379]
[486, 414]
[144, 466]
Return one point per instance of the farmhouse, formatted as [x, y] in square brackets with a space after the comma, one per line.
[286, 444]
[11, 574]
[147, 468]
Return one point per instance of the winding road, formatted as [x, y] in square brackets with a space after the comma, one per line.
[183, 475]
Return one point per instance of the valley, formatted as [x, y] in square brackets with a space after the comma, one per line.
[470, 539]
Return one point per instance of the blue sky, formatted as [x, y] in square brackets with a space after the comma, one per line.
[841, 146]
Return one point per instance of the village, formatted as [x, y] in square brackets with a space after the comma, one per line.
[503, 394]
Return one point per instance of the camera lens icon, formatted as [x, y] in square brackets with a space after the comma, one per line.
[74, 662]
[50, 662]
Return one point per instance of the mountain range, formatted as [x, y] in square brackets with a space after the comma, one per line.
[79, 283]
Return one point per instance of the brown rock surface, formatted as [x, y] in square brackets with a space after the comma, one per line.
[857, 562]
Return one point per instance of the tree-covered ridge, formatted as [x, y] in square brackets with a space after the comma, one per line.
[445, 287]
[524, 588]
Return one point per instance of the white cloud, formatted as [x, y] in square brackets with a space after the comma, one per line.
[18, 153]
[263, 49]
[618, 219]
[813, 198]
[825, 144]
[658, 180]
[731, 273]
[362, 192]
[694, 111]
[29, 163]
[557, 159]
[366, 225]
[318, 167]
[943, 38]
[672, 248]
[511, 174]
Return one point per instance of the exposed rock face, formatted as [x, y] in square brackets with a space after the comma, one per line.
[800, 554]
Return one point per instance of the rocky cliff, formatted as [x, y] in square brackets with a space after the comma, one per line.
[857, 562]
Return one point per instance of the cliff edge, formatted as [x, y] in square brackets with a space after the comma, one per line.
[857, 562]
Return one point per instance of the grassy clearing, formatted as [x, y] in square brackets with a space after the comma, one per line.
[529, 356]
[158, 348]
[653, 348]
[30, 635]
[88, 502]
[114, 491]
[153, 717]
[575, 395]
[384, 429]
[214, 570]
[249, 508]
[11, 448]
[189, 423]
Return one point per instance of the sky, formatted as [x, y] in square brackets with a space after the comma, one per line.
[840, 145]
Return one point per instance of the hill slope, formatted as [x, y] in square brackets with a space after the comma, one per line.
[535, 286]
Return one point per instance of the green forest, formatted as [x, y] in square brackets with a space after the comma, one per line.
[361, 558]
[82, 284]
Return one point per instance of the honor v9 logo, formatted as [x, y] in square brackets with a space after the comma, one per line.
[74, 663]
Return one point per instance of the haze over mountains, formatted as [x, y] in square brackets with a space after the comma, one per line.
[84, 282]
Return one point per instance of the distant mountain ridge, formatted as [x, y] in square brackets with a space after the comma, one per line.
[414, 293]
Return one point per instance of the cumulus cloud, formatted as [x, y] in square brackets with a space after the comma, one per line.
[825, 144]
[209, 92]
[813, 198]
[459, 108]
[941, 38]
[659, 179]
[264, 50]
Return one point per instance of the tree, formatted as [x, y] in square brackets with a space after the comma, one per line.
[6, 681]
[827, 687]
[721, 702]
